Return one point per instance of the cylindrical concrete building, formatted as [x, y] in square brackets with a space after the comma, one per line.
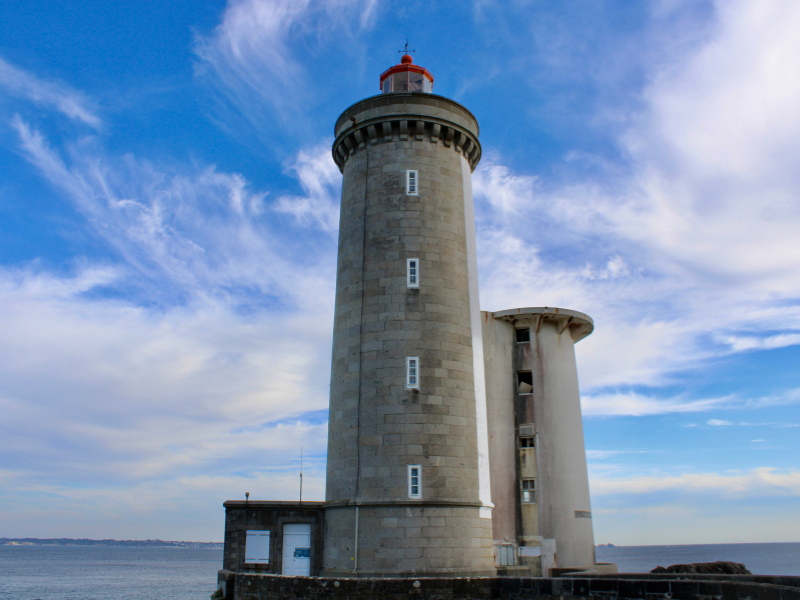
[539, 479]
[407, 490]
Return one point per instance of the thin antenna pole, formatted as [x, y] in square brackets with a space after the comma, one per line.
[406, 50]
[301, 474]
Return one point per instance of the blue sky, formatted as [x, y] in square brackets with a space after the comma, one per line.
[168, 227]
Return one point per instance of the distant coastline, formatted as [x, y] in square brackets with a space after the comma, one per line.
[87, 542]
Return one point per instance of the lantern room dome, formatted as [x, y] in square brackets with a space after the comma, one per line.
[406, 77]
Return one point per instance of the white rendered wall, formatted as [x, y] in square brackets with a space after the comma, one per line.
[498, 346]
[484, 481]
[563, 478]
[562, 486]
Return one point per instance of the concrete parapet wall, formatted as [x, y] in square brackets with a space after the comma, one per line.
[639, 586]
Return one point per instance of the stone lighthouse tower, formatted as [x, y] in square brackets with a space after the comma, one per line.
[408, 488]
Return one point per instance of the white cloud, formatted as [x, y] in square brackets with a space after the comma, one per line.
[146, 392]
[604, 454]
[756, 483]
[690, 248]
[743, 343]
[51, 94]
[106, 403]
[321, 181]
[718, 423]
[640, 405]
[183, 361]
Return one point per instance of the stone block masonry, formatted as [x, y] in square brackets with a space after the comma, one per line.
[378, 427]
[617, 587]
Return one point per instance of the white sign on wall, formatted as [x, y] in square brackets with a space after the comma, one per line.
[530, 551]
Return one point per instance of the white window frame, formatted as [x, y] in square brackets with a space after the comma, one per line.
[256, 547]
[412, 188]
[412, 381]
[411, 477]
[412, 262]
[528, 491]
[506, 555]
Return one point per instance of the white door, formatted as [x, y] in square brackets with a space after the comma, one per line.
[297, 549]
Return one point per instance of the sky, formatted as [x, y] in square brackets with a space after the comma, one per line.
[168, 234]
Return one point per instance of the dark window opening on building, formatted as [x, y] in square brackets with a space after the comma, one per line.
[524, 382]
[526, 442]
[523, 335]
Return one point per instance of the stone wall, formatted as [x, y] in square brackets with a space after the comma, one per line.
[633, 587]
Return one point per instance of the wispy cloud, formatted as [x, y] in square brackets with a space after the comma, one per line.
[253, 57]
[640, 405]
[761, 482]
[194, 230]
[321, 182]
[49, 94]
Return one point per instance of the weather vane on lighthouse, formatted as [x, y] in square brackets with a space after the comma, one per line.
[406, 50]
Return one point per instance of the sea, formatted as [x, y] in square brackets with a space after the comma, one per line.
[125, 573]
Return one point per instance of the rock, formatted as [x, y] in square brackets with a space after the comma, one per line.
[720, 567]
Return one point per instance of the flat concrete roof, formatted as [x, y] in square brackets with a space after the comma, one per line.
[275, 504]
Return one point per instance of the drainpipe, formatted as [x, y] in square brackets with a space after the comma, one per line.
[355, 558]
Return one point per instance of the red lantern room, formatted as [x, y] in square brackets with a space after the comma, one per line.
[406, 77]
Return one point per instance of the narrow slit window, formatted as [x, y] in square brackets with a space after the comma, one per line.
[412, 273]
[415, 481]
[524, 382]
[412, 186]
[523, 335]
[412, 372]
[528, 491]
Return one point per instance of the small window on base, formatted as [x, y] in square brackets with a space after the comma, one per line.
[527, 442]
[524, 382]
[523, 335]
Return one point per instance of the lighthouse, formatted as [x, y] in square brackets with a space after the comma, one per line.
[408, 487]
[455, 437]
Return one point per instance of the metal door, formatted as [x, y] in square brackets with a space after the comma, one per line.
[297, 549]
